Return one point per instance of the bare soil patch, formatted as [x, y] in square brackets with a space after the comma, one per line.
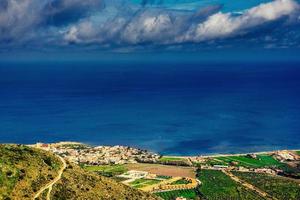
[166, 170]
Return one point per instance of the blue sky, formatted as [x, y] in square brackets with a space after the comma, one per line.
[130, 26]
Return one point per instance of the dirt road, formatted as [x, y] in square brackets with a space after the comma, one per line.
[249, 186]
[55, 180]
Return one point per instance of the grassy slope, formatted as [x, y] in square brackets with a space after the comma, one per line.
[77, 183]
[24, 170]
[217, 185]
[278, 187]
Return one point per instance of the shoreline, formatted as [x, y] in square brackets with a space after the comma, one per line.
[176, 156]
[232, 154]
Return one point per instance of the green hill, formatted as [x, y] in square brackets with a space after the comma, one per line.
[25, 171]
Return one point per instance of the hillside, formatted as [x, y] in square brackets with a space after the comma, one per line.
[26, 171]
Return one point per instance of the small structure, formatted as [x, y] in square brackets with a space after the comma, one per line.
[219, 167]
[133, 174]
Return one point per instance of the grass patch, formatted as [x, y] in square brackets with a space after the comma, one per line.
[107, 170]
[278, 187]
[163, 177]
[181, 182]
[189, 194]
[217, 185]
[165, 158]
[140, 183]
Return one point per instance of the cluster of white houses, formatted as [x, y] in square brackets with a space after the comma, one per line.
[99, 155]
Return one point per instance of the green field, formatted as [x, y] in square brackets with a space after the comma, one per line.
[278, 187]
[217, 185]
[298, 152]
[164, 159]
[107, 170]
[139, 183]
[189, 194]
[262, 160]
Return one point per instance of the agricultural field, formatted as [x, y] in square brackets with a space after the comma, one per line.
[262, 160]
[140, 183]
[278, 187]
[107, 170]
[164, 170]
[217, 185]
[170, 195]
[165, 158]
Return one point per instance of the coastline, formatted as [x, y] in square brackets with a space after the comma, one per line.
[174, 156]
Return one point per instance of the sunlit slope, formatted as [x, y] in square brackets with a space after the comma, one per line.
[23, 171]
[26, 171]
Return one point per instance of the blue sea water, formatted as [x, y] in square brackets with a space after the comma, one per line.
[179, 109]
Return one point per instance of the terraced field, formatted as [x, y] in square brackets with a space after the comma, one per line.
[278, 187]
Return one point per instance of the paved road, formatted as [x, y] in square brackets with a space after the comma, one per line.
[249, 186]
[55, 180]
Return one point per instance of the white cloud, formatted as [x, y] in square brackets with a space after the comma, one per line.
[125, 24]
[166, 27]
[223, 25]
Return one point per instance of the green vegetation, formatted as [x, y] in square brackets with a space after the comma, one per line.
[298, 152]
[24, 170]
[217, 185]
[189, 194]
[181, 182]
[163, 177]
[164, 158]
[279, 187]
[139, 183]
[262, 160]
[75, 146]
[169, 160]
[76, 183]
[107, 170]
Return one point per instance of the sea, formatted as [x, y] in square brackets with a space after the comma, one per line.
[169, 108]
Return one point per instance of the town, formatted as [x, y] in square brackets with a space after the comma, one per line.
[100, 155]
[189, 177]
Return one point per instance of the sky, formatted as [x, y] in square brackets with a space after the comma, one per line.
[134, 26]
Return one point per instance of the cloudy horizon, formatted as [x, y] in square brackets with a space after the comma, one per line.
[136, 25]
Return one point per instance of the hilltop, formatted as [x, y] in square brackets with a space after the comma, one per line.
[26, 172]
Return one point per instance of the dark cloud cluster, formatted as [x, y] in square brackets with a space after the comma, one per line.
[122, 23]
[22, 19]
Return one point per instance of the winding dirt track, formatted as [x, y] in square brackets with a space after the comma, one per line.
[50, 185]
